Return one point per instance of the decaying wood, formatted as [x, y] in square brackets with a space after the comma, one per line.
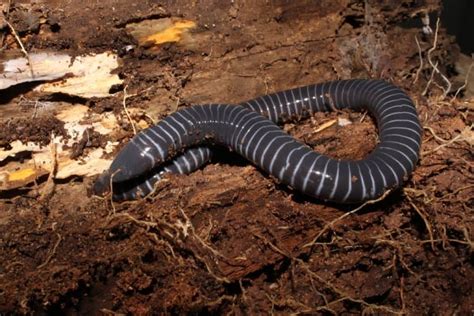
[229, 239]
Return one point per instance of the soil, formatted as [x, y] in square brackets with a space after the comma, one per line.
[228, 239]
[24, 130]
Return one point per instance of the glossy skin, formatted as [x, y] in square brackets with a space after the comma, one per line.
[250, 129]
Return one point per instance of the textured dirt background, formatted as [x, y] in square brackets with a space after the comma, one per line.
[227, 239]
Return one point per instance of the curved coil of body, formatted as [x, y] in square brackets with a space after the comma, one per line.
[250, 129]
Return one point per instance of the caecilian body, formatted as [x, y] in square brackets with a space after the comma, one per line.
[179, 142]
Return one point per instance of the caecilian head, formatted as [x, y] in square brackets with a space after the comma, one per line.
[131, 162]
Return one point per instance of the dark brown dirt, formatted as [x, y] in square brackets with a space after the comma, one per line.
[228, 239]
[89, 139]
[37, 130]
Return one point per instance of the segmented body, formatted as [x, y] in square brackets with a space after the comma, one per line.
[251, 130]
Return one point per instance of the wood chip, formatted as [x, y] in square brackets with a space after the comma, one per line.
[84, 76]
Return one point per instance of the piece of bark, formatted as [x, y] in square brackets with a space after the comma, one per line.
[83, 76]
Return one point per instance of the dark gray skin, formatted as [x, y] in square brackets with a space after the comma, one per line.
[250, 129]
